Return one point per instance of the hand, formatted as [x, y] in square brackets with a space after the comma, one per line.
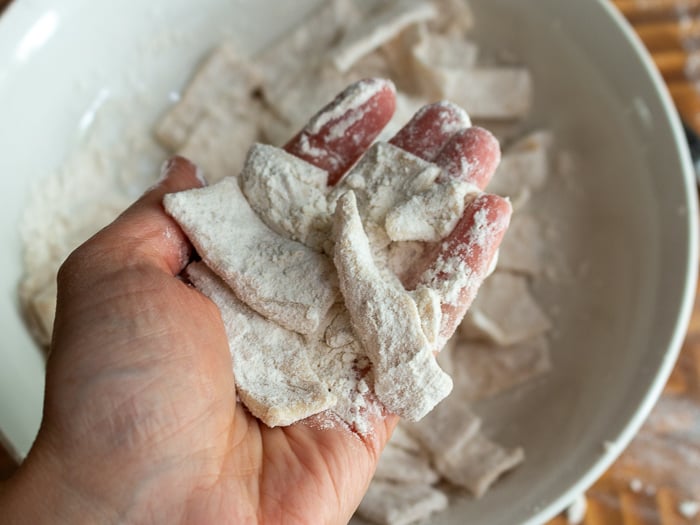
[141, 423]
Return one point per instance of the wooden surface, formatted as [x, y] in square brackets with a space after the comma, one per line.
[671, 31]
[658, 476]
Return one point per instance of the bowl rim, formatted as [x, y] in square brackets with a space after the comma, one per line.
[613, 448]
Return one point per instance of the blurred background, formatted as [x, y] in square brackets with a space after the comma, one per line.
[657, 479]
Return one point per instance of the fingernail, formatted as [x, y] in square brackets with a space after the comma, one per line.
[199, 173]
[346, 103]
[169, 166]
[165, 169]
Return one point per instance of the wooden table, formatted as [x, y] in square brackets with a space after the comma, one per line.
[658, 476]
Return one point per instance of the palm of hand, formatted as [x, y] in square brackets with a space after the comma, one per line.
[170, 422]
[140, 408]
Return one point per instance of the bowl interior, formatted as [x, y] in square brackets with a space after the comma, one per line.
[624, 212]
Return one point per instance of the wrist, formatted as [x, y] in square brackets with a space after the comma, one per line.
[38, 493]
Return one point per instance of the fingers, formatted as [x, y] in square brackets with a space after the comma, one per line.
[430, 129]
[457, 266]
[441, 133]
[341, 132]
[144, 234]
[471, 155]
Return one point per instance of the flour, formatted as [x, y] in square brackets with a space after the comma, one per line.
[489, 93]
[283, 377]
[430, 313]
[483, 369]
[347, 112]
[451, 276]
[402, 466]
[505, 312]
[385, 318]
[401, 504]
[379, 340]
[380, 26]
[98, 181]
[431, 215]
[523, 248]
[278, 277]
[433, 52]
[274, 375]
[385, 175]
[478, 463]
[288, 194]
[459, 449]
[224, 82]
[524, 168]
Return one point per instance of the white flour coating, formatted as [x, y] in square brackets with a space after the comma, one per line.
[460, 452]
[403, 440]
[381, 25]
[489, 93]
[451, 275]
[505, 312]
[223, 82]
[281, 279]
[384, 176]
[403, 466]
[523, 248]
[275, 376]
[312, 151]
[380, 324]
[407, 379]
[401, 504]
[288, 59]
[104, 174]
[478, 463]
[446, 428]
[482, 369]
[304, 94]
[348, 111]
[430, 216]
[288, 194]
[452, 125]
[523, 168]
[432, 53]
[283, 377]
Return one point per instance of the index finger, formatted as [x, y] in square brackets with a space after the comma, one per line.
[343, 130]
[143, 233]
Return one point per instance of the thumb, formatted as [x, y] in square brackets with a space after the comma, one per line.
[143, 234]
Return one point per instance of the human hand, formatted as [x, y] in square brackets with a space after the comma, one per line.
[141, 422]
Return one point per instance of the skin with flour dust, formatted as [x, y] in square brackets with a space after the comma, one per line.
[141, 419]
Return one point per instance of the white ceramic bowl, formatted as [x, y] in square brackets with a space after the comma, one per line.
[620, 327]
